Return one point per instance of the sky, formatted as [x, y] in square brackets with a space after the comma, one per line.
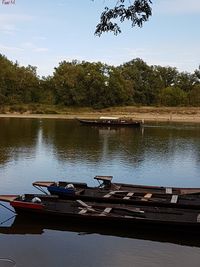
[43, 33]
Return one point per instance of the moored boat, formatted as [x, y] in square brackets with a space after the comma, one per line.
[50, 207]
[124, 193]
[111, 121]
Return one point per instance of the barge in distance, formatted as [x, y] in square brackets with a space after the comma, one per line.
[111, 121]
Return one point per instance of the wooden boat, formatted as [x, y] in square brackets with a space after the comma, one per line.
[111, 121]
[124, 193]
[51, 207]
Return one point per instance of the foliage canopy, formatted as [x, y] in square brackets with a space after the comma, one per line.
[99, 85]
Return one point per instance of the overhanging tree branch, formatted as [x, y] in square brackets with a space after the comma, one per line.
[138, 13]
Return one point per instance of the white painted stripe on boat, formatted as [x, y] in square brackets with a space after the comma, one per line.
[198, 218]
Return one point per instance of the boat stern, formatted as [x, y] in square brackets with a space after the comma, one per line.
[8, 198]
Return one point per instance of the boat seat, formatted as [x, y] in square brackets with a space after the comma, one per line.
[86, 209]
[168, 190]
[109, 194]
[85, 206]
[129, 195]
[83, 203]
[174, 199]
[116, 187]
[78, 192]
[147, 197]
[105, 212]
[83, 211]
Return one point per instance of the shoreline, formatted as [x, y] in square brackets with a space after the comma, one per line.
[166, 115]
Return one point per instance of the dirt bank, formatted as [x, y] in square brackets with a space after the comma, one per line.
[139, 113]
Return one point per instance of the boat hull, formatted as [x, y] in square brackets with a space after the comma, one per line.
[127, 194]
[114, 123]
[52, 208]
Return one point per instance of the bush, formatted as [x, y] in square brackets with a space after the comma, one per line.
[172, 97]
[18, 108]
[194, 96]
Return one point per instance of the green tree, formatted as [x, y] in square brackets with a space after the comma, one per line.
[141, 77]
[186, 81]
[168, 76]
[194, 96]
[17, 84]
[65, 82]
[173, 96]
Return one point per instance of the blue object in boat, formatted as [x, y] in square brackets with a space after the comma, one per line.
[58, 190]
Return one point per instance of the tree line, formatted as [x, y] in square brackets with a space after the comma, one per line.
[98, 85]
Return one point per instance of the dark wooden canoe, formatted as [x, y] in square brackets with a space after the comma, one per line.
[123, 193]
[50, 207]
[111, 121]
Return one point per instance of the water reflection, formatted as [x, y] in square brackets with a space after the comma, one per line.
[18, 139]
[4, 262]
[31, 226]
[160, 154]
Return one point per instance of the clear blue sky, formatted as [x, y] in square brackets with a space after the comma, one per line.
[44, 32]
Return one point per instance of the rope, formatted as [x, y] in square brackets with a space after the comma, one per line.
[7, 208]
[7, 219]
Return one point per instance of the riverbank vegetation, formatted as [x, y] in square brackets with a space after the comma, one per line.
[95, 85]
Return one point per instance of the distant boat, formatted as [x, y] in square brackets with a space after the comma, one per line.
[111, 121]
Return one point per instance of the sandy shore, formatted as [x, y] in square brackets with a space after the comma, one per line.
[147, 114]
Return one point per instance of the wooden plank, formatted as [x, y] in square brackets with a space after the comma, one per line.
[129, 195]
[43, 183]
[83, 211]
[8, 198]
[168, 190]
[174, 199]
[148, 195]
[105, 212]
[189, 191]
[109, 194]
[83, 203]
[103, 178]
[78, 192]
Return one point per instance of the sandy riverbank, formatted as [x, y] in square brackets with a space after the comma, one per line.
[139, 113]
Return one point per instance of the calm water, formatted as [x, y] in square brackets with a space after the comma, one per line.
[34, 149]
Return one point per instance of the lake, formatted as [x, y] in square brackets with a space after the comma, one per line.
[165, 154]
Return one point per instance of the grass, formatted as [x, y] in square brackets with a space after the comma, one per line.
[53, 109]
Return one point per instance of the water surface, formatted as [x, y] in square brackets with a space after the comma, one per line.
[48, 149]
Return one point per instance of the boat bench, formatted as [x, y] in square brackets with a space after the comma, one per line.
[78, 192]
